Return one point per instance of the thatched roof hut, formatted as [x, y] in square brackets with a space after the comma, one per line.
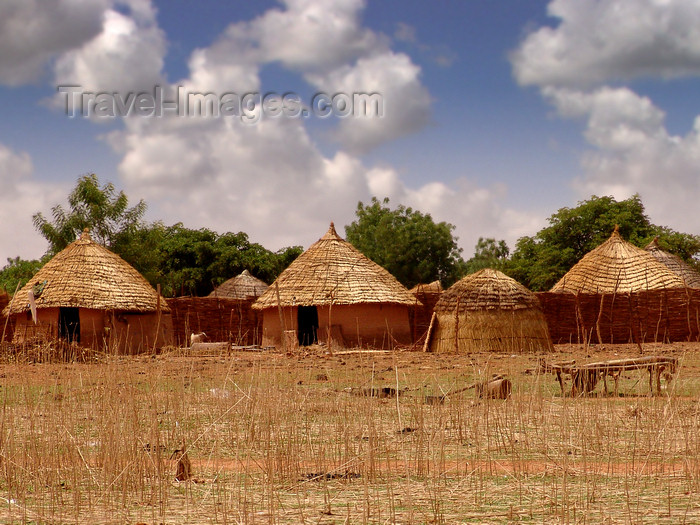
[333, 289]
[90, 295]
[241, 286]
[617, 266]
[427, 295]
[488, 311]
[675, 264]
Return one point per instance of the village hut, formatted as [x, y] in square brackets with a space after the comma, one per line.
[427, 296]
[617, 266]
[619, 293]
[690, 277]
[242, 286]
[88, 295]
[488, 311]
[332, 291]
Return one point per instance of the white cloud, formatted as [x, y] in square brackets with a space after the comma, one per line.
[34, 31]
[600, 42]
[596, 41]
[20, 198]
[405, 101]
[125, 56]
[270, 179]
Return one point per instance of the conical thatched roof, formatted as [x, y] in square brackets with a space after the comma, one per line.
[87, 275]
[675, 264]
[617, 266]
[241, 286]
[486, 289]
[431, 288]
[332, 270]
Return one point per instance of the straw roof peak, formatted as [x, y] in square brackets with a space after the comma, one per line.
[332, 234]
[333, 271]
[617, 266]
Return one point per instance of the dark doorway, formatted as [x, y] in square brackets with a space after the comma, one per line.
[307, 318]
[69, 324]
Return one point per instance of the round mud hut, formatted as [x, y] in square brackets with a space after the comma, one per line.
[488, 311]
[617, 266]
[89, 295]
[242, 286]
[332, 291]
[690, 277]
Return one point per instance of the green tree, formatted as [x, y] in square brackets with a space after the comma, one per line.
[409, 244]
[540, 261]
[18, 271]
[102, 209]
[488, 253]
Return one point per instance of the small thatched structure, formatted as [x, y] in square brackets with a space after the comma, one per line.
[242, 286]
[488, 311]
[690, 277]
[333, 290]
[427, 296]
[89, 295]
[617, 266]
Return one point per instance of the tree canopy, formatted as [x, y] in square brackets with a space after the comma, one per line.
[408, 243]
[103, 210]
[181, 260]
[541, 260]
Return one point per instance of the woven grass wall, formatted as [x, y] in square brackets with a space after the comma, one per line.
[497, 331]
[222, 319]
[650, 316]
[421, 314]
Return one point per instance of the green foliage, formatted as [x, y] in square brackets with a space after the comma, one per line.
[488, 253]
[540, 261]
[193, 262]
[409, 244]
[18, 271]
[103, 210]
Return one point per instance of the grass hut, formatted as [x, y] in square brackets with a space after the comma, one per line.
[242, 286]
[334, 290]
[690, 277]
[488, 311]
[89, 295]
[619, 293]
[617, 266]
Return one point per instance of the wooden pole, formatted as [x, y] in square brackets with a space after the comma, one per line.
[283, 325]
[9, 309]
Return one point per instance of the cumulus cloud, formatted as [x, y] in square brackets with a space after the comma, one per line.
[125, 56]
[271, 179]
[597, 41]
[600, 43]
[405, 102]
[32, 32]
[20, 197]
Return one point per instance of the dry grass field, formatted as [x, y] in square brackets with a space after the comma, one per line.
[290, 438]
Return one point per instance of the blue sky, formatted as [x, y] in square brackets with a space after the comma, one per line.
[498, 113]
